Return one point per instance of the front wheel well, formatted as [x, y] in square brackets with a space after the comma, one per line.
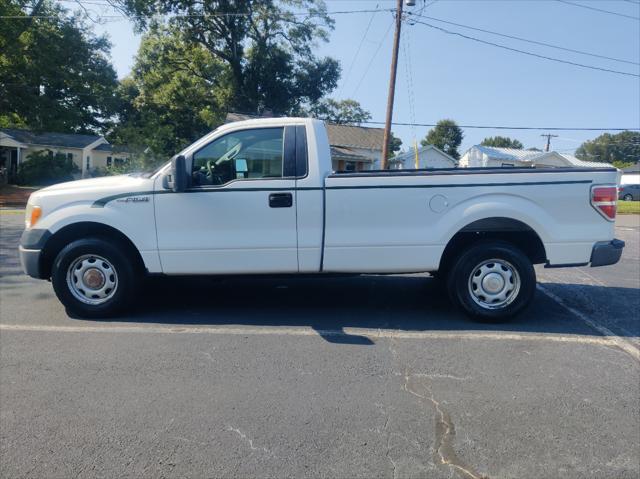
[86, 229]
[507, 230]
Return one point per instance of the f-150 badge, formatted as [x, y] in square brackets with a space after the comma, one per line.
[134, 199]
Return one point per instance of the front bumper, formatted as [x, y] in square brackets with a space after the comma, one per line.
[606, 252]
[31, 244]
[30, 261]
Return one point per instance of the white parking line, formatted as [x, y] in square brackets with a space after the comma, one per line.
[620, 342]
[307, 331]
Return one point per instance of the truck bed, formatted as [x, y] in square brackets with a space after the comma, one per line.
[412, 215]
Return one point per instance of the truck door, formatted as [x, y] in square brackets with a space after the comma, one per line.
[239, 213]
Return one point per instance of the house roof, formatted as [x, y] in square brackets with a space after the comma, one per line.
[112, 148]
[587, 164]
[408, 155]
[342, 153]
[65, 140]
[508, 153]
[231, 117]
[355, 136]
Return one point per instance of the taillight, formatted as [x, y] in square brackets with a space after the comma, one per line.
[603, 199]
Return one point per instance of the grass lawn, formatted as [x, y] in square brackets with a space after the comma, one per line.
[629, 207]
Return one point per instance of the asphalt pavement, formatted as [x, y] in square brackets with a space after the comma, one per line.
[368, 376]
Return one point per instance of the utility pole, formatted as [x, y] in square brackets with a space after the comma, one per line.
[548, 136]
[392, 87]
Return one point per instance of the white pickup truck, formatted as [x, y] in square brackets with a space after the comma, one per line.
[260, 197]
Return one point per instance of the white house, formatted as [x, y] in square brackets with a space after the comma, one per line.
[631, 175]
[428, 157]
[86, 151]
[479, 156]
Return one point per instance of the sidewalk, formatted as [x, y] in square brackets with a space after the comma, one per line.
[14, 196]
[632, 221]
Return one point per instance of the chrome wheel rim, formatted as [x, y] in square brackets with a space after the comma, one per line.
[92, 279]
[494, 284]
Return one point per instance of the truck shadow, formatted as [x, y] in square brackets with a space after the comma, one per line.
[328, 305]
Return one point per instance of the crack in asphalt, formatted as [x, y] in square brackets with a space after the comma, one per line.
[249, 441]
[444, 451]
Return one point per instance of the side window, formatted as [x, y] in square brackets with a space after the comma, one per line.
[241, 155]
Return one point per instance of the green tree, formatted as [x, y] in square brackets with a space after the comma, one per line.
[622, 147]
[447, 136]
[502, 142]
[54, 72]
[394, 145]
[265, 45]
[175, 94]
[343, 112]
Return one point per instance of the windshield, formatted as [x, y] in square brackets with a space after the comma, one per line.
[154, 172]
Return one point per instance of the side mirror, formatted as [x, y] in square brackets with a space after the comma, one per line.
[178, 181]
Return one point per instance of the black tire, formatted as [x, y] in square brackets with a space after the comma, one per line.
[512, 266]
[117, 261]
[627, 198]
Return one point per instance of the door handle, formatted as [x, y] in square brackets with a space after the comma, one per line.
[280, 200]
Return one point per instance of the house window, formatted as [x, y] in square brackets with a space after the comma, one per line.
[508, 165]
[350, 166]
[70, 156]
[120, 161]
[109, 160]
[88, 162]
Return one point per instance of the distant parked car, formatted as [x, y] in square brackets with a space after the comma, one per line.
[629, 192]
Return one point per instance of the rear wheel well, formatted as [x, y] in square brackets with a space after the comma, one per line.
[507, 230]
[87, 229]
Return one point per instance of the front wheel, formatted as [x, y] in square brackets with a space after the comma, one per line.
[492, 281]
[628, 198]
[93, 278]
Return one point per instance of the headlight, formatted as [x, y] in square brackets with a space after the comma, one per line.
[32, 215]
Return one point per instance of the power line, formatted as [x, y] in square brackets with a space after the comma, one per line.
[536, 42]
[355, 57]
[599, 9]
[524, 52]
[409, 80]
[375, 54]
[199, 15]
[502, 127]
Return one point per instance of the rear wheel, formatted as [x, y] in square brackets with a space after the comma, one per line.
[492, 281]
[93, 278]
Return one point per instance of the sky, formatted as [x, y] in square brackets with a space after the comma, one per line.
[446, 76]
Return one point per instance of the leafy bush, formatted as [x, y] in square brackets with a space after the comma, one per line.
[45, 168]
[622, 164]
[134, 164]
